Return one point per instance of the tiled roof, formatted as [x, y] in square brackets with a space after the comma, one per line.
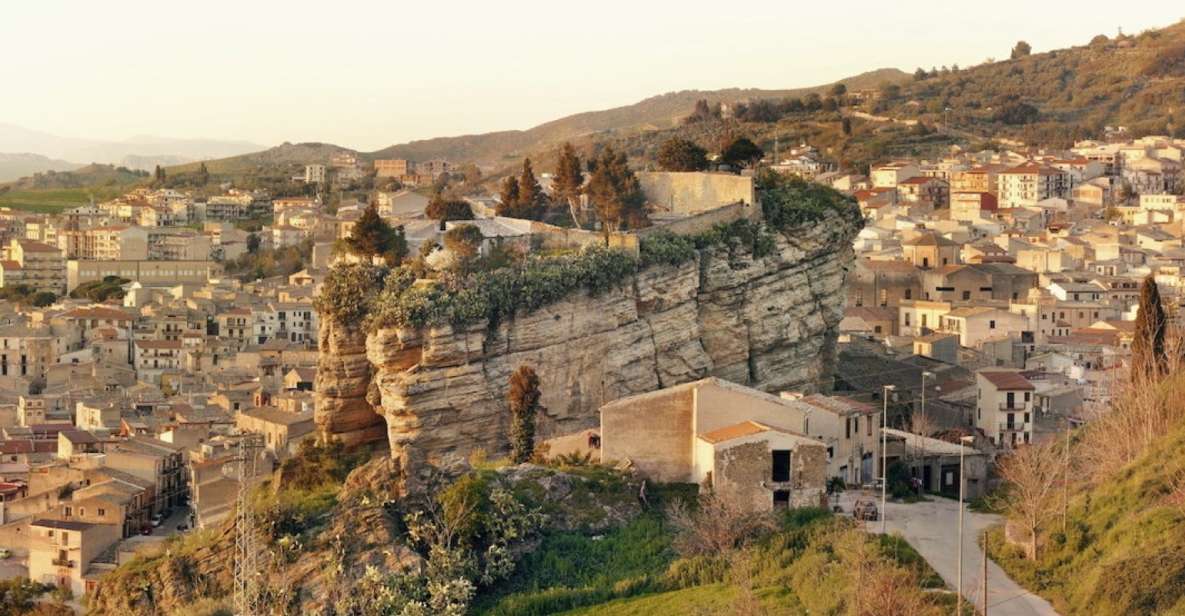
[1007, 380]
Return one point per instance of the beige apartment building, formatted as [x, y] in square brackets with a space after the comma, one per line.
[61, 552]
[891, 174]
[1025, 185]
[977, 180]
[1004, 406]
[393, 168]
[148, 273]
[36, 264]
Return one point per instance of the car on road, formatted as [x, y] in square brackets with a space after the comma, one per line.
[5, 553]
[865, 510]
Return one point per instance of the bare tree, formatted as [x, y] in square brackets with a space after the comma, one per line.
[717, 526]
[746, 602]
[1145, 407]
[879, 586]
[923, 425]
[1033, 474]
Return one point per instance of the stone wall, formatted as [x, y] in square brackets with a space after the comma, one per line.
[704, 221]
[770, 323]
[690, 192]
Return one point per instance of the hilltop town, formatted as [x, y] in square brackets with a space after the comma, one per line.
[707, 368]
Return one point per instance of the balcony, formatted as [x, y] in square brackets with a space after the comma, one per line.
[63, 562]
[1014, 427]
[1015, 407]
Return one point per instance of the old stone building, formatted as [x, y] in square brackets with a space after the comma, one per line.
[741, 443]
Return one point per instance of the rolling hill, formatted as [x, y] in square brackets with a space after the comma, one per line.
[658, 112]
[500, 148]
[1133, 81]
[15, 166]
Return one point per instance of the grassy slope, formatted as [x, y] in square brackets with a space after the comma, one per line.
[53, 201]
[709, 599]
[52, 192]
[633, 570]
[1124, 549]
[1077, 90]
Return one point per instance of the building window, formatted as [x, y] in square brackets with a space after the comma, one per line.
[781, 499]
[781, 465]
[991, 325]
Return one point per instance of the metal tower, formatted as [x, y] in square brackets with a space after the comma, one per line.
[246, 563]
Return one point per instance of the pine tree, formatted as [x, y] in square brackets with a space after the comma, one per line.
[677, 154]
[373, 236]
[568, 177]
[509, 198]
[531, 201]
[524, 405]
[1148, 349]
[443, 210]
[616, 193]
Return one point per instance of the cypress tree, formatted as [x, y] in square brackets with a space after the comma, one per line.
[532, 201]
[1148, 350]
[509, 198]
[524, 405]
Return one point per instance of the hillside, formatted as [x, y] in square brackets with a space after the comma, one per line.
[1123, 551]
[16, 166]
[1133, 81]
[336, 539]
[658, 112]
[53, 191]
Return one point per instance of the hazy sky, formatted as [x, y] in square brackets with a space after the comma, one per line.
[370, 74]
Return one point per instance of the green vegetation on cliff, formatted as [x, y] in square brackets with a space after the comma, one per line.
[496, 293]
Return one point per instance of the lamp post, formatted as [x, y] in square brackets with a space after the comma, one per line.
[885, 455]
[922, 441]
[962, 446]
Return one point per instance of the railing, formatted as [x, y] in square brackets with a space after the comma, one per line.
[63, 562]
[1014, 427]
[1015, 407]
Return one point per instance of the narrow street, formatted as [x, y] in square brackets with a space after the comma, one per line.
[932, 529]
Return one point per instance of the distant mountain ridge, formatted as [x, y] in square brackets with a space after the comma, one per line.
[14, 166]
[141, 152]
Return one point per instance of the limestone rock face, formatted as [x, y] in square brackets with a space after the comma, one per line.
[767, 322]
[343, 382]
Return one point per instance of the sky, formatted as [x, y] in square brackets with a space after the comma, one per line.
[370, 74]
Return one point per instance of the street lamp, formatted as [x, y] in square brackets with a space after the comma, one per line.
[922, 441]
[962, 482]
[885, 455]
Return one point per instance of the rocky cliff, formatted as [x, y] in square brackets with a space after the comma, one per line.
[768, 322]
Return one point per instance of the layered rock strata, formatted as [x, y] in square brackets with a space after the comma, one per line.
[768, 322]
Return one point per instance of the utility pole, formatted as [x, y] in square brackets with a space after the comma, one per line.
[959, 586]
[885, 457]
[985, 559]
[1066, 480]
[246, 571]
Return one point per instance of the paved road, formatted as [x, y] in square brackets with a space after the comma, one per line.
[932, 529]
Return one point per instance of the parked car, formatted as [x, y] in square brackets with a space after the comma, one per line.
[865, 510]
[5, 553]
[156, 521]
